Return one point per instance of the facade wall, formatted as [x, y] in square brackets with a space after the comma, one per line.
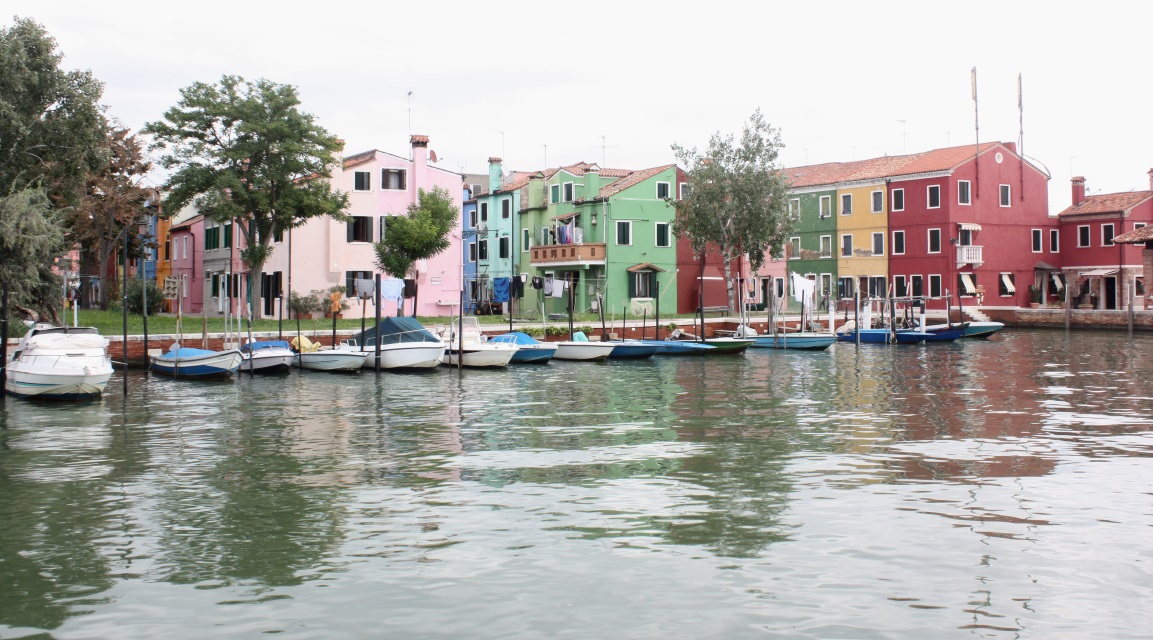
[814, 261]
[861, 224]
[188, 265]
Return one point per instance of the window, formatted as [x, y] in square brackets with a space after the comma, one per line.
[918, 283]
[663, 234]
[1006, 285]
[227, 236]
[684, 186]
[395, 179]
[934, 241]
[964, 196]
[642, 284]
[663, 190]
[1005, 200]
[900, 286]
[846, 204]
[525, 240]
[878, 243]
[554, 193]
[826, 209]
[361, 181]
[795, 209]
[1054, 236]
[1107, 235]
[845, 287]
[505, 247]
[472, 252]
[966, 284]
[877, 286]
[847, 245]
[1083, 235]
[484, 212]
[167, 250]
[350, 278]
[384, 220]
[1038, 237]
[778, 288]
[826, 283]
[934, 196]
[898, 200]
[794, 247]
[505, 207]
[472, 218]
[360, 229]
[624, 232]
[1056, 284]
[826, 246]
[568, 192]
[934, 286]
[878, 201]
[185, 252]
[1138, 225]
[211, 238]
[277, 234]
[482, 250]
[898, 243]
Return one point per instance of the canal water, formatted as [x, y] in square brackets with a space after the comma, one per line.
[992, 489]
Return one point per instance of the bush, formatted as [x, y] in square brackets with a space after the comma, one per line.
[135, 290]
[303, 304]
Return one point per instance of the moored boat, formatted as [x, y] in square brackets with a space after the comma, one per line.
[632, 349]
[529, 349]
[468, 349]
[187, 362]
[881, 336]
[266, 356]
[59, 363]
[728, 346]
[680, 347]
[801, 340]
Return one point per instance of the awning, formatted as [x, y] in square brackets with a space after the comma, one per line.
[1007, 280]
[566, 216]
[645, 266]
[1057, 281]
[969, 226]
[1099, 272]
[970, 289]
[1044, 266]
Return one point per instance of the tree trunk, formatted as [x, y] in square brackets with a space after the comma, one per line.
[729, 281]
[256, 272]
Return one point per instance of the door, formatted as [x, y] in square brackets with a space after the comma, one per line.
[1110, 301]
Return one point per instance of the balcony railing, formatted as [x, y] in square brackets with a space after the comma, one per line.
[969, 254]
[549, 254]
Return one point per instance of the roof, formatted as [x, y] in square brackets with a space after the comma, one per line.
[187, 224]
[885, 167]
[359, 158]
[1108, 203]
[1136, 236]
[633, 178]
[644, 266]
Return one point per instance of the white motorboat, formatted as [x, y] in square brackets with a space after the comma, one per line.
[60, 363]
[404, 344]
[473, 351]
[583, 350]
[267, 356]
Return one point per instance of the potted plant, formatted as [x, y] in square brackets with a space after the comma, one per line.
[1036, 295]
[328, 298]
[303, 306]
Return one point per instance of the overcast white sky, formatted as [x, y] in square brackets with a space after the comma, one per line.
[619, 82]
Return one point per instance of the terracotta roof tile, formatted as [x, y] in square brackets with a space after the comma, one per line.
[634, 177]
[1108, 203]
[359, 158]
[884, 167]
[1136, 236]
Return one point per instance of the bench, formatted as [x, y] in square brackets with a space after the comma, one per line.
[719, 309]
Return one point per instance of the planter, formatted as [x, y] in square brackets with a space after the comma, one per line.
[338, 316]
[303, 316]
[1034, 305]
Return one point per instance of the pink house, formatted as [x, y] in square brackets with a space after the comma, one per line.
[326, 253]
[187, 256]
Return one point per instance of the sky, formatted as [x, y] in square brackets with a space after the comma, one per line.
[617, 83]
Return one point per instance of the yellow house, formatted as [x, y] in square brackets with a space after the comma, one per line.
[861, 243]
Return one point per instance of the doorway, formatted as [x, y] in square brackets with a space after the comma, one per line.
[1110, 284]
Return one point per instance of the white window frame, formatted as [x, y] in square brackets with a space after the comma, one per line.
[929, 196]
[657, 235]
[668, 190]
[1005, 195]
[929, 241]
[1054, 241]
[878, 235]
[186, 246]
[846, 197]
[936, 277]
[893, 197]
[794, 208]
[902, 243]
[617, 233]
[403, 173]
[1001, 284]
[1113, 234]
[683, 190]
[877, 201]
[795, 242]
[825, 203]
[826, 239]
[472, 252]
[967, 192]
[849, 247]
[1139, 225]
[1037, 240]
[918, 279]
[900, 285]
[368, 177]
[1088, 235]
[568, 192]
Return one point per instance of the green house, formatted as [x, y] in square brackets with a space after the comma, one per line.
[810, 247]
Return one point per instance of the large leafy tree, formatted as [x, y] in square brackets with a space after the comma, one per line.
[112, 203]
[737, 204]
[51, 122]
[245, 153]
[31, 239]
[419, 234]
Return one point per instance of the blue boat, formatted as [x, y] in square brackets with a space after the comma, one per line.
[186, 362]
[679, 347]
[529, 349]
[883, 336]
[946, 333]
[806, 341]
[632, 350]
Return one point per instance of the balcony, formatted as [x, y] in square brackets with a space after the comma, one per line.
[560, 255]
[969, 254]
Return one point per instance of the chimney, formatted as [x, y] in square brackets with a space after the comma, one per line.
[1079, 189]
[419, 163]
[1011, 146]
[1150, 179]
[592, 181]
[495, 176]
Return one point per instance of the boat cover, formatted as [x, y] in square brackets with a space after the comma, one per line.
[265, 344]
[394, 331]
[185, 352]
[518, 337]
[67, 341]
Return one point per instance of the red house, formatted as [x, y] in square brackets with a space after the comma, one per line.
[1104, 273]
[699, 280]
[187, 256]
[971, 221]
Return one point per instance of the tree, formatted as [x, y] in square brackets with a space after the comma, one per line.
[737, 203]
[112, 203]
[418, 235]
[245, 153]
[31, 239]
[51, 122]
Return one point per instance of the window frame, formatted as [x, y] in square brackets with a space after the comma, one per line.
[900, 286]
[878, 235]
[472, 252]
[356, 181]
[568, 191]
[385, 179]
[930, 190]
[965, 189]
[482, 249]
[505, 207]
[893, 244]
[917, 285]
[525, 240]
[668, 189]
[1054, 240]
[657, 234]
[628, 233]
[1037, 240]
[554, 193]
[846, 198]
[1107, 238]
[897, 199]
[504, 248]
[936, 278]
[846, 249]
[826, 239]
[683, 190]
[877, 201]
[794, 212]
[1002, 290]
[929, 241]
[822, 208]
[1005, 195]
[359, 229]
[483, 208]
[795, 242]
[1084, 236]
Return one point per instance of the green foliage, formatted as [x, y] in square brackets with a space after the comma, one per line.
[135, 291]
[419, 234]
[1036, 294]
[555, 330]
[31, 238]
[304, 304]
[738, 201]
[245, 152]
[535, 332]
[51, 122]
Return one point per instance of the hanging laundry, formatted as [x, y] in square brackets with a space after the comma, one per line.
[500, 289]
[578, 235]
[537, 283]
[517, 287]
[802, 288]
[548, 286]
[409, 288]
[558, 287]
[392, 289]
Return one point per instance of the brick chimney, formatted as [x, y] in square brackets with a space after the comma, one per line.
[1150, 173]
[495, 175]
[1079, 189]
[419, 163]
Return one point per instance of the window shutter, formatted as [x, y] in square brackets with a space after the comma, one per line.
[632, 285]
[351, 228]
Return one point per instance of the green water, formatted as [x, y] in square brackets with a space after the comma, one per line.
[999, 489]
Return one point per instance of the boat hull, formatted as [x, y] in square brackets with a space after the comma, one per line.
[680, 347]
[330, 360]
[583, 350]
[406, 355]
[479, 356]
[534, 353]
[983, 329]
[632, 350]
[197, 363]
[728, 346]
[57, 385]
[799, 341]
[59, 363]
[883, 336]
[268, 361]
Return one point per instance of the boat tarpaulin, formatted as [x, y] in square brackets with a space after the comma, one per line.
[395, 330]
